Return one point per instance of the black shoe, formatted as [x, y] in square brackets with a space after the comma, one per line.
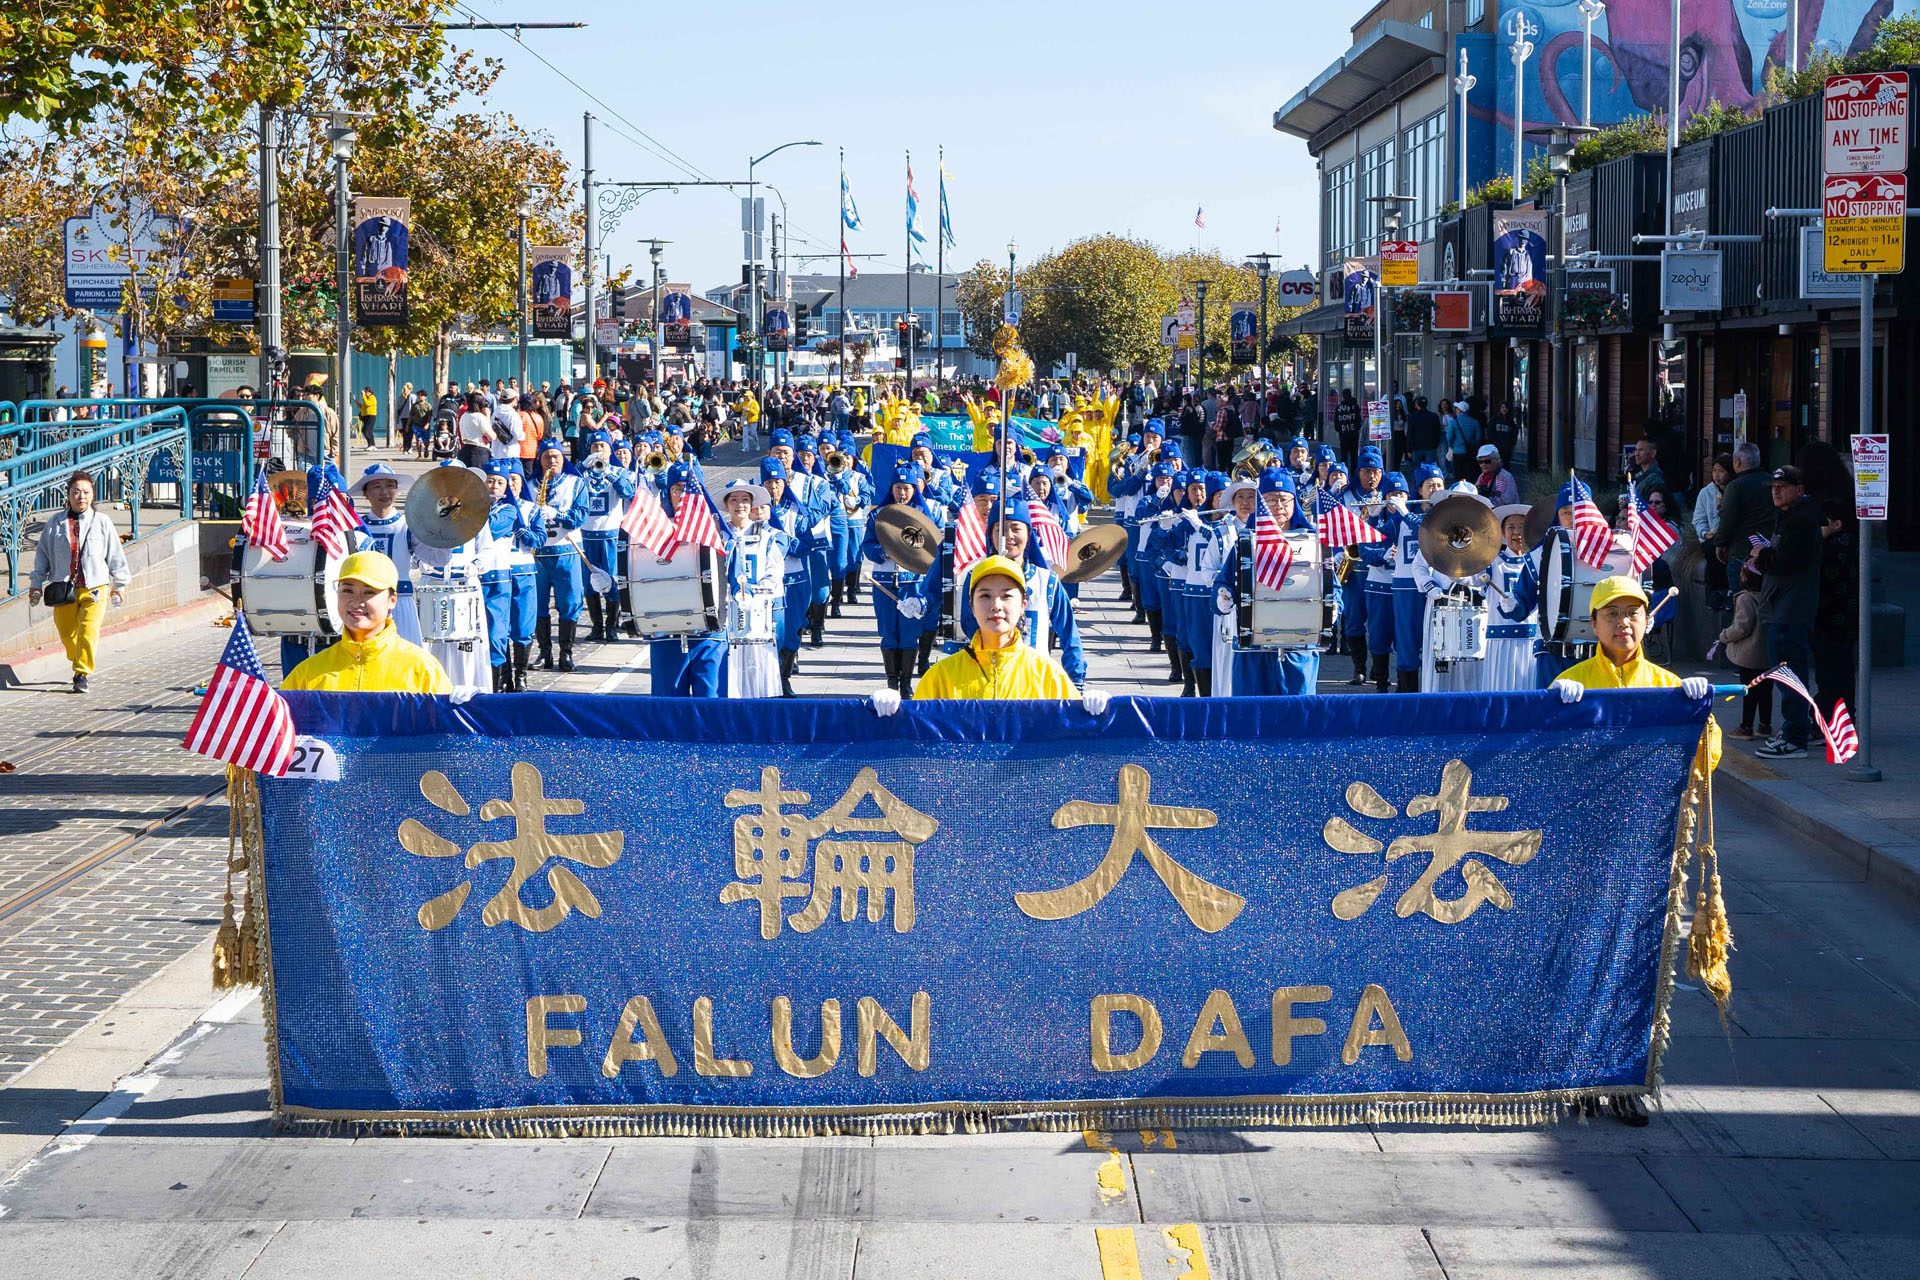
[833, 610]
[520, 668]
[1359, 676]
[79, 683]
[543, 636]
[789, 659]
[566, 645]
[598, 633]
[926, 654]
[819, 640]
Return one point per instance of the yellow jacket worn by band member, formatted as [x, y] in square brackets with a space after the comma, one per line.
[1637, 672]
[379, 660]
[1001, 667]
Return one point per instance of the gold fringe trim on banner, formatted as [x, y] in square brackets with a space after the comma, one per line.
[233, 964]
[1711, 938]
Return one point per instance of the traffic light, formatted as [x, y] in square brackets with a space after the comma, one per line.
[801, 314]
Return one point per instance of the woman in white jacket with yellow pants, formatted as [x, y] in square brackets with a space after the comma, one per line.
[75, 584]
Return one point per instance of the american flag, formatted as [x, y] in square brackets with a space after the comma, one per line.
[1342, 527]
[969, 536]
[646, 521]
[694, 524]
[1843, 741]
[242, 721]
[1651, 534]
[333, 517]
[1200, 217]
[1046, 526]
[1592, 536]
[260, 523]
[1272, 553]
[1757, 541]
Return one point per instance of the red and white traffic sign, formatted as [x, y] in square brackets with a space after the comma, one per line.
[1866, 219]
[1866, 122]
[1399, 263]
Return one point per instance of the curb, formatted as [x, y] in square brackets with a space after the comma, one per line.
[1886, 857]
[49, 662]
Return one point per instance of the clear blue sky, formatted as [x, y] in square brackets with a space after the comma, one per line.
[1059, 120]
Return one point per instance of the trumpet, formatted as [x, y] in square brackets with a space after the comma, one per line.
[837, 462]
[656, 461]
[1027, 456]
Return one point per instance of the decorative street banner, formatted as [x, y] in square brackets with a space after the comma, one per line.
[1358, 288]
[550, 290]
[117, 242]
[561, 913]
[380, 260]
[776, 328]
[1243, 333]
[1520, 268]
[676, 320]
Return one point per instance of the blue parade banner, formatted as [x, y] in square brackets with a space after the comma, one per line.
[559, 913]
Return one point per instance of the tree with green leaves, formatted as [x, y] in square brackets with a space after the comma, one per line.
[980, 294]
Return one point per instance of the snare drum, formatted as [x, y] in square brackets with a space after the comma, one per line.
[1459, 629]
[674, 597]
[453, 612]
[750, 618]
[1292, 617]
[294, 596]
[1566, 593]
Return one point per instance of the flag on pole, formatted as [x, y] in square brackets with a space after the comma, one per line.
[849, 212]
[1342, 526]
[1272, 553]
[1592, 536]
[646, 522]
[694, 523]
[969, 537]
[913, 209]
[333, 517]
[946, 218]
[846, 260]
[1651, 535]
[1200, 217]
[260, 523]
[242, 720]
[1046, 526]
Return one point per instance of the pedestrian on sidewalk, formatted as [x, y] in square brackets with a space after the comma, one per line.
[1789, 597]
[78, 556]
[1744, 641]
[369, 410]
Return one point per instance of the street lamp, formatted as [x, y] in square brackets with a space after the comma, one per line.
[340, 137]
[1521, 29]
[526, 211]
[1562, 139]
[753, 257]
[1390, 223]
[1462, 85]
[1263, 267]
[1589, 10]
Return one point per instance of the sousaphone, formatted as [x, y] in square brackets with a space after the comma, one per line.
[1093, 553]
[447, 506]
[910, 539]
[1459, 536]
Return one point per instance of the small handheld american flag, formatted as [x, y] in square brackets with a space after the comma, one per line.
[1758, 540]
[1342, 527]
[694, 524]
[242, 721]
[333, 517]
[1046, 527]
[1272, 553]
[260, 523]
[1592, 536]
[969, 536]
[646, 521]
[1843, 741]
[1651, 535]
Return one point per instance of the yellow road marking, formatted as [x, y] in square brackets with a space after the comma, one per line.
[1119, 1255]
[1186, 1238]
[1113, 1177]
[1163, 1136]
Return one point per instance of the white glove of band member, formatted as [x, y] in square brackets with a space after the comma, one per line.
[1696, 687]
[1191, 516]
[1568, 690]
[463, 694]
[1165, 519]
[913, 608]
[1095, 701]
[885, 702]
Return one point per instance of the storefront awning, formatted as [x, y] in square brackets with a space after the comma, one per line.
[1331, 318]
[1384, 54]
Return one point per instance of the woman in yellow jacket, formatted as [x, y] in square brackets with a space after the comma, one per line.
[372, 657]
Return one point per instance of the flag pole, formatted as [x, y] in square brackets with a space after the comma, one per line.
[940, 282]
[841, 355]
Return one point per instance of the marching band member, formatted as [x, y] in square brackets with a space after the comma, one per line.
[900, 598]
[1157, 494]
[509, 598]
[1295, 670]
[1376, 599]
[807, 483]
[1169, 548]
[1234, 670]
[1300, 462]
[1071, 498]
[756, 591]
[1049, 611]
[689, 666]
[608, 489]
[466, 662]
[1547, 665]
[385, 531]
[1463, 675]
[1125, 479]
[1511, 628]
[852, 490]
[1043, 488]
[1354, 568]
[785, 513]
[559, 569]
[1409, 606]
[372, 656]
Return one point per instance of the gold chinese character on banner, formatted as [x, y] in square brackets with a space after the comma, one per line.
[531, 848]
[1209, 906]
[771, 854]
[1445, 849]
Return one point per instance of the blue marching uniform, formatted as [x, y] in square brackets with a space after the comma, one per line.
[1379, 587]
[559, 573]
[608, 489]
[853, 497]
[508, 615]
[688, 666]
[900, 632]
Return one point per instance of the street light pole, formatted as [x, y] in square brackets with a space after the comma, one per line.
[1462, 85]
[1263, 267]
[1523, 27]
[753, 260]
[1589, 10]
[340, 135]
[587, 198]
[267, 306]
[526, 211]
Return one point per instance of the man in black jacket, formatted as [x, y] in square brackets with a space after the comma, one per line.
[1346, 421]
[1789, 595]
[1745, 509]
[1423, 432]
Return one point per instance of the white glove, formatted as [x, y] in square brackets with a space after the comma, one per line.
[1095, 701]
[463, 694]
[913, 608]
[885, 702]
[1165, 519]
[1568, 690]
[1191, 516]
[1696, 687]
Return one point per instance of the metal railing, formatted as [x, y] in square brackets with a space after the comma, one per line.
[120, 454]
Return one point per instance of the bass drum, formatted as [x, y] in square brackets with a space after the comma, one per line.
[1566, 593]
[291, 597]
[675, 596]
[1295, 615]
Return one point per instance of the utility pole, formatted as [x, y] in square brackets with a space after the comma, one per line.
[340, 134]
[940, 283]
[267, 294]
[1462, 85]
[526, 211]
[586, 199]
[907, 340]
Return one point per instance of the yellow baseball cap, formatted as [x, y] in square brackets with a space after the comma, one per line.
[1607, 590]
[992, 565]
[371, 568]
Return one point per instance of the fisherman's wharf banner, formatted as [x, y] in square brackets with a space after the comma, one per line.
[559, 913]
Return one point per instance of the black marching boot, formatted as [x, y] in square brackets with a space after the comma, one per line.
[613, 616]
[817, 620]
[1204, 678]
[543, 637]
[906, 674]
[839, 590]
[599, 632]
[1380, 672]
[1174, 666]
[1153, 630]
[787, 659]
[520, 668]
[1408, 682]
[500, 677]
[1188, 681]
[567, 630]
[926, 654]
[853, 586]
[890, 663]
[1357, 650]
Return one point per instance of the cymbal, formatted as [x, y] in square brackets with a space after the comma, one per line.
[1459, 536]
[1540, 519]
[910, 539]
[1093, 553]
[447, 506]
[290, 491]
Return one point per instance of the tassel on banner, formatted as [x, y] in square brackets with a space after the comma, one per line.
[236, 960]
[1710, 939]
[227, 947]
